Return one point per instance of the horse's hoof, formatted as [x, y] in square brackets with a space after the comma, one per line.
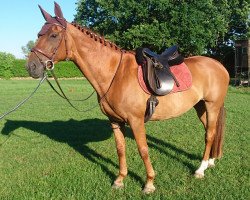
[149, 189]
[118, 185]
[199, 175]
[211, 163]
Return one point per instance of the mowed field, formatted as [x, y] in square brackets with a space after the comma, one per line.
[50, 151]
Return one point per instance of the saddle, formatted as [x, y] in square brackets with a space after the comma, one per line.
[156, 69]
[157, 75]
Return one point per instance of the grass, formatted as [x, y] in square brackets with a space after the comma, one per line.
[50, 151]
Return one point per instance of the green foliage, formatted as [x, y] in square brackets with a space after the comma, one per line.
[239, 23]
[18, 68]
[67, 70]
[6, 62]
[238, 28]
[197, 26]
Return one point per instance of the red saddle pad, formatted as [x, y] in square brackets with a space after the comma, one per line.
[181, 73]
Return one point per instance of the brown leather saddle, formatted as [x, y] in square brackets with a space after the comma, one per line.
[156, 69]
[156, 73]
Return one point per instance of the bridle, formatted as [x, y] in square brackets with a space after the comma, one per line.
[49, 64]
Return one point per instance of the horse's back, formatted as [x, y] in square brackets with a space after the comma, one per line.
[201, 65]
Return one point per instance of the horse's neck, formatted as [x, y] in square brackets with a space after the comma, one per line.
[97, 62]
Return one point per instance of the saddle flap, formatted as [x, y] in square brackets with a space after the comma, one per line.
[165, 81]
[158, 78]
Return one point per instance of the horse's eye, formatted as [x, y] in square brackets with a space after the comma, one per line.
[54, 35]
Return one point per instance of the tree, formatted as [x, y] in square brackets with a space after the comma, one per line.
[238, 28]
[197, 26]
[6, 62]
[26, 49]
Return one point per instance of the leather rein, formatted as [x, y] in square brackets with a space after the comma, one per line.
[49, 66]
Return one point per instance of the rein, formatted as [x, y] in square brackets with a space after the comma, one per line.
[45, 76]
[26, 99]
[63, 95]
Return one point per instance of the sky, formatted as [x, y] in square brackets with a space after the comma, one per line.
[21, 20]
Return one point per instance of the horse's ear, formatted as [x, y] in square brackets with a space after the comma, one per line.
[46, 15]
[58, 11]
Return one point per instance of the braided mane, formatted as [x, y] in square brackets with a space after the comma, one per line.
[96, 37]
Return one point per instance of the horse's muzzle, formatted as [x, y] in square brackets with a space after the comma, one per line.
[35, 67]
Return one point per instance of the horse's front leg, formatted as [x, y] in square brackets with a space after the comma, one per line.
[138, 128]
[119, 130]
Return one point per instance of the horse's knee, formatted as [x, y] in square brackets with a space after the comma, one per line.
[145, 156]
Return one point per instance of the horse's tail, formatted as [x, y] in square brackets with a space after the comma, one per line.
[216, 151]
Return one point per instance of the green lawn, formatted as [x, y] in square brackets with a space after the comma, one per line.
[50, 151]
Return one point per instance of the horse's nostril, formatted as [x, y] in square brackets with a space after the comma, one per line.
[31, 65]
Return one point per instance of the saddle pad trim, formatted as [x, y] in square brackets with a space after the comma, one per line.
[181, 72]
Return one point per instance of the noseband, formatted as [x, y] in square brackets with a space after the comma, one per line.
[49, 64]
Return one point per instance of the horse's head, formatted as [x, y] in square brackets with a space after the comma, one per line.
[51, 45]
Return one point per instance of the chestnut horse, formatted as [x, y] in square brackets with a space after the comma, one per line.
[113, 74]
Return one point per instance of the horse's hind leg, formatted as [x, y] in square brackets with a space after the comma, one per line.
[213, 114]
[119, 130]
[200, 108]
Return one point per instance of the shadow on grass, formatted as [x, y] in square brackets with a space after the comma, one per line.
[162, 147]
[169, 150]
[77, 134]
